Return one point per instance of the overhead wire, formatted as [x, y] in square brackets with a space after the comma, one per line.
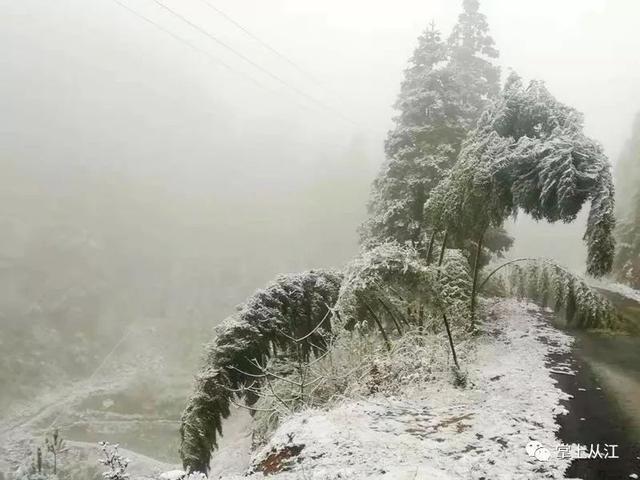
[200, 50]
[251, 62]
[184, 41]
[266, 45]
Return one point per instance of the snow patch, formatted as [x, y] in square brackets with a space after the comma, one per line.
[173, 475]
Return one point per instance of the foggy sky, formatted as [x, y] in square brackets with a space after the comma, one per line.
[84, 84]
[144, 183]
[90, 69]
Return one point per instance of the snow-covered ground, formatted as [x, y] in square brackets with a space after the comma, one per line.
[620, 288]
[22, 429]
[434, 430]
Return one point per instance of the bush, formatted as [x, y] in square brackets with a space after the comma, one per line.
[356, 364]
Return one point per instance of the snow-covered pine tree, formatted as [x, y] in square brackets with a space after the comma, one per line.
[417, 149]
[267, 325]
[445, 89]
[471, 55]
[627, 262]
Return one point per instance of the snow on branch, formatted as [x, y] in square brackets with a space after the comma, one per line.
[385, 282]
[550, 285]
[288, 318]
[529, 153]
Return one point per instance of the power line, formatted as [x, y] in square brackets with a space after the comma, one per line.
[194, 47]
[185, 42]
[252, 63]
[263, 43]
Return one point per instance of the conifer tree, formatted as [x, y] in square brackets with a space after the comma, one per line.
[445, 89]
[416, 149]
[471, 50]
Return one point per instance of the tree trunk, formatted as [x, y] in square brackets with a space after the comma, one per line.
[393, 317]
[474, 286]
[453, 348]
[430, 248]
[444, 247]
[380, 327]
[444, 315]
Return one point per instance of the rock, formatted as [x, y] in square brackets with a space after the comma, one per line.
[279, 460]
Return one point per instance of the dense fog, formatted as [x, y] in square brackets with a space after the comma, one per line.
[154, 175]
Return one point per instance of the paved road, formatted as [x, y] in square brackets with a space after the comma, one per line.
[605, 408]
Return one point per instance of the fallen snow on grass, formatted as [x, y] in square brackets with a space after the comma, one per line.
[434, 430]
